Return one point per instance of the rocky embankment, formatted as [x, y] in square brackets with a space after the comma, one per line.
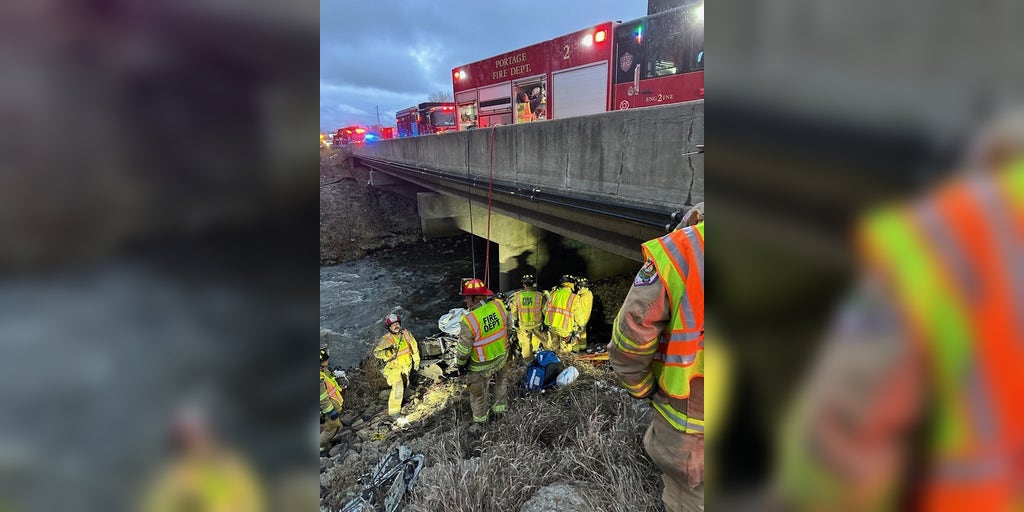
[356, 218]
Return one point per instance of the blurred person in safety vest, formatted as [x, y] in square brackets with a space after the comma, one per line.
[401, 354]
[483, 343]
[523, 112]
[205, 475]
[585, 298]
[563, 316]
[657, 352]
[525, 307]
[917, 401]
[331, 401]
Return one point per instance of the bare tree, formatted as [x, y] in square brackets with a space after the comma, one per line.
[440, 95]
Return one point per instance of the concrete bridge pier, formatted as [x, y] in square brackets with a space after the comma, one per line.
[522, 247]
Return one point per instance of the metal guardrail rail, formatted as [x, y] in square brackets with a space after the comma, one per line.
[506, 191]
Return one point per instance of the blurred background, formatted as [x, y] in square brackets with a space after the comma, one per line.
[817, 112]
[157, 219]
[158, 263]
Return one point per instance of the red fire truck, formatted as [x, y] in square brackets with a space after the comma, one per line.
[350, 135]
[654, 60]
[426, 118]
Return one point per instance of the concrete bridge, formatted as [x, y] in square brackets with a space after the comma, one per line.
[609, 180]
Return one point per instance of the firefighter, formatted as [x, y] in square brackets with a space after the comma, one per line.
[525, 309]
[562, 316]
[401, 355]
[657, 352]
[694, 215]
[523, 112]
[585, 298]
[481, 352]
[929, 342]
[205, 474]
[331, 401]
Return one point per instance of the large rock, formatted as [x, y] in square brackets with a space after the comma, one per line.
[560, 497]
[338, 448]
[348, 419]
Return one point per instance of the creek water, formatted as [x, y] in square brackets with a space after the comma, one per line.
[420, 283]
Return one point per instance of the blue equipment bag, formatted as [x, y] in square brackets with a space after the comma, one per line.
[542, 371]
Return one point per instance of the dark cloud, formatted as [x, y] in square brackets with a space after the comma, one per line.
[394, 54]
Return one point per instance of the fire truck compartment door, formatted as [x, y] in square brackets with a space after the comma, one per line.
[496, 97]
[580, 91]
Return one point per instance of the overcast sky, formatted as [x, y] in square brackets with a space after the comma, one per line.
[394, 53]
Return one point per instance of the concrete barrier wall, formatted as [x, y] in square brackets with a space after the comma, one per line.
[642, 157]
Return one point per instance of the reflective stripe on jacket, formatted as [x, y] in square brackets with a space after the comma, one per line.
[399, 352]
[679, 357]
[956, 267]
[485, 325]
[559, 314]
[330, 393]
[528, 308]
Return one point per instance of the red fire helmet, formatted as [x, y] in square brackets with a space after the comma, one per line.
[475, 287]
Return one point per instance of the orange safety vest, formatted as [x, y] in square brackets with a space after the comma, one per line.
[523, 113]
[559, 311]
[956, 266]
[333, 390]
[402, 345]
[679, 258]
[528, 306]
[487, 325]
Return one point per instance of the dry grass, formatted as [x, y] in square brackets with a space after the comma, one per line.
[588, 435]
[364, 384]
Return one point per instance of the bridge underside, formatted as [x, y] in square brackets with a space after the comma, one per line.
[613, 228]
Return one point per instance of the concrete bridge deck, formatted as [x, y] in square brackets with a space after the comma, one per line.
[610, 180]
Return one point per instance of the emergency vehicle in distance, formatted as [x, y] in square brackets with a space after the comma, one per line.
[426, 118]
[352, 135]
[654, 60]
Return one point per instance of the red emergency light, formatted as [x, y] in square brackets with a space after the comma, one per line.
[599, 36]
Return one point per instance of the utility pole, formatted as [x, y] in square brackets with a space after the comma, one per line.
[378, 116]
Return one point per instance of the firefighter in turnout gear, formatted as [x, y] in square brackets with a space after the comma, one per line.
[401, 355]
[525, 309]
[585, 298]
[562, 317]
[929, 342]
[483, 343]
[205, 474]
[331, 401]
[657, 352]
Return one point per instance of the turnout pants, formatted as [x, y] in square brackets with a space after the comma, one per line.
[398, 380]
[529, 341]
[559, 344]
[680, 457]
[480, 392]
[328, 430]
